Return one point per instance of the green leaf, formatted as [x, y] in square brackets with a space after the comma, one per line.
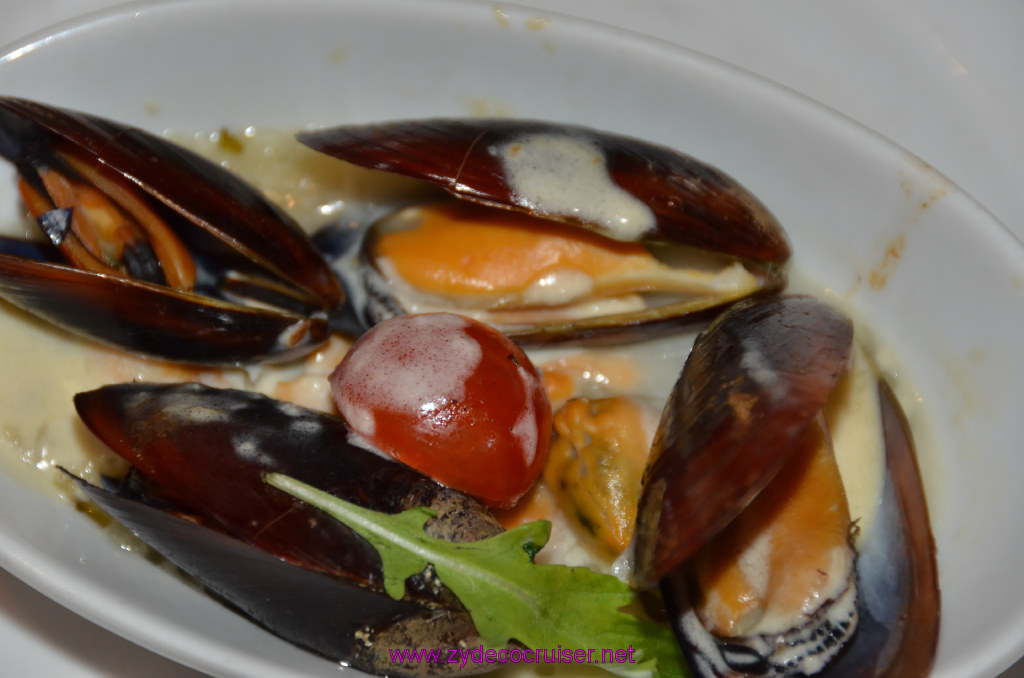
[510, 597]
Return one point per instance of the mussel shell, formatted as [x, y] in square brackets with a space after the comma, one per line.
[311, 608]
[206, 450]
[154, 320]
[898, 602]
[226, 223]
[754, 381]
[693, 203]
[329, 615]
[200, 191]
[375, 302]
[196, 494]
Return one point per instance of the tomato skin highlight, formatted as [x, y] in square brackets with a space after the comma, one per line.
[451, 397]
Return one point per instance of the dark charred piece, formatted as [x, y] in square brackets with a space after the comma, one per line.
[147, 232]
[196, 494]
[682, 214]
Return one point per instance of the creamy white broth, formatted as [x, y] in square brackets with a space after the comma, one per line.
[556, 174]
[40, 431]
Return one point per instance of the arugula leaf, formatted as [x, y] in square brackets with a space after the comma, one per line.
[507, 595]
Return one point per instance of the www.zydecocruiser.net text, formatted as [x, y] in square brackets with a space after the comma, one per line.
[463, 656]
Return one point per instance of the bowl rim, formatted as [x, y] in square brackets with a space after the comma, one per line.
[998, 236]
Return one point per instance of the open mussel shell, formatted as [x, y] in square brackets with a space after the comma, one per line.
[718, 448]
[690, 201]
[615, 186]
[223, 223]
[755, 380]
[196, 494]
[898, 605]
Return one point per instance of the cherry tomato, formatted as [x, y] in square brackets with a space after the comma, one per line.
[451, 397]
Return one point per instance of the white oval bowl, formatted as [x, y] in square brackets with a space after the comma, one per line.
[858, 210]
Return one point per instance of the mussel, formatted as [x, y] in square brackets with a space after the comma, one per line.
[196, 494]
[153, 248]
[742, 499]
[561, 232]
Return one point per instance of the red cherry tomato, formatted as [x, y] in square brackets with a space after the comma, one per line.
[452, 397]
